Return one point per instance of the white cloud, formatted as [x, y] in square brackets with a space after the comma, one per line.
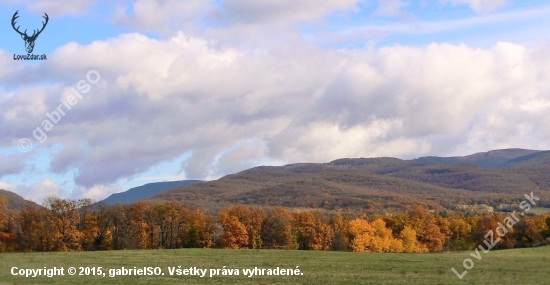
[162, 15]
[283, 11]
[12, 164]
[37, 192]
[324, 141]
[230, 16]
[7, 186]
[245, 155]
[96, 193]
[479, 6]
[391, 7]
[55, 7]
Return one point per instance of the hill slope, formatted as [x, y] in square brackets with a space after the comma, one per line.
[378, 184]
[13, 201]
[145, 191]
[490, 159]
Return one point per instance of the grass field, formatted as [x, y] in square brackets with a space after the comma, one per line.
[539, 211]
[517, 266]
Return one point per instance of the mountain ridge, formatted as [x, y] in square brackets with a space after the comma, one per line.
[145, 191]
[13, 200]
[493, 178]
[376, 183]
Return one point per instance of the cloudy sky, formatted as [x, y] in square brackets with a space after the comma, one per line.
[199, 89]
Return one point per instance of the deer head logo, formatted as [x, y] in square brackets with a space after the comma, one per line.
[29, 40]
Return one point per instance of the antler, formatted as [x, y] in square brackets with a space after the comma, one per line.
[13, 24]
[43, 26]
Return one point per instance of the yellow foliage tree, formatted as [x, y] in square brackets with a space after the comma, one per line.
[362, 234]
[382, 236]
[410, 243]
[373, 237]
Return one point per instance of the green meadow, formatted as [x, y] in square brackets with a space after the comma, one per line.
[515, 266]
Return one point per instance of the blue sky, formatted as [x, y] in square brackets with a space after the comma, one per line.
[200, 89]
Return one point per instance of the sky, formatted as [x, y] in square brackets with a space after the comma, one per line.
[140, 91]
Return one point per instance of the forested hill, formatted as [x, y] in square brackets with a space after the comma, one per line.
[145, 191]
[13, 201]
[497, 178]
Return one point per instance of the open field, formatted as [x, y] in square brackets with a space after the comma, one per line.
[516, 266]
[539, 211]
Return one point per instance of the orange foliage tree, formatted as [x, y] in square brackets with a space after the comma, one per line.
[234, 232]
[312, 232]
[7, 230]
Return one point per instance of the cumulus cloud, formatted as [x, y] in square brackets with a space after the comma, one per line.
[7, 186]
[286, 11]
[55, 7]
[245, 155]
[232, 18]
[162, 15]
[39, 191]
[479, 6]
[12, 164]
[391, 7]
[96, 193]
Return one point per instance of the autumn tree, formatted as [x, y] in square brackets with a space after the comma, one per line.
[362, 235]
[196, 231]
[63, 219]
[530, 231]
[482, 225]
[546, 233]
[234, 232]
[252, 219]
[33, 228]
[431, 231]
[8, 219]
[277, 230]
[312, 232]
[4, 218]
[169, 218]
[382, 240]
[460, 231]
[98, 228]
[142, 226]
[121, 232]
[341, 230]
[409, 241]
[373, 237]
[87, 224]
[396, 222]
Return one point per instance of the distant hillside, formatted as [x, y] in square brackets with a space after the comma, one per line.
[490, 159]
[13, 201]
[145, 191]
[378, 184]
[537, 159]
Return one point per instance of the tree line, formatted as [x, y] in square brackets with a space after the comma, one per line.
[78, 225]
